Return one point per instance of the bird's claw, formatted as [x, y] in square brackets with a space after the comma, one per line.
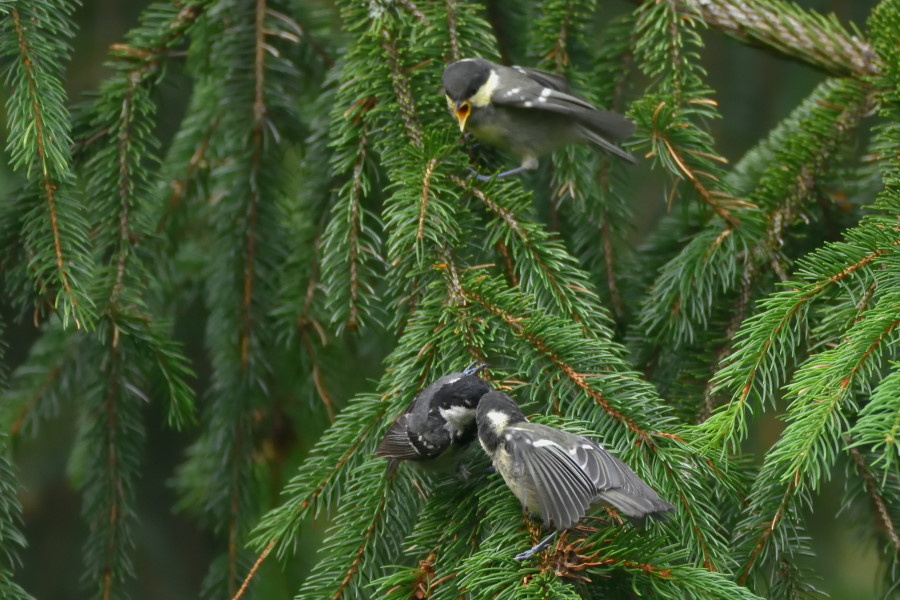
[474, 367]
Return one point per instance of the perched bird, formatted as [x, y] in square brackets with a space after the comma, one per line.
[556, 473]
[527, 112]
[437, 423]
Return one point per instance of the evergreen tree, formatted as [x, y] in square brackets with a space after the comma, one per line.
[313, 207]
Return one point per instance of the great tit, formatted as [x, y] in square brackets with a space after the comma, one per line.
[527, 112]
[437, 423]
[555, 473]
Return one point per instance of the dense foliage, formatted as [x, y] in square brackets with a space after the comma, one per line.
[313, 208]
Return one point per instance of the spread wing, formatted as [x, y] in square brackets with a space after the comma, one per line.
[570, 472]
[563, 489]
[533, 89]
[616, 483]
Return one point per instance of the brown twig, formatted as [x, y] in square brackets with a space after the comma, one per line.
[253, 569]
[426, 188]
[879, 506]
[452, 33]
[47, 183]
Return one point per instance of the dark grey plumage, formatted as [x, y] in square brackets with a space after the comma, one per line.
[556, 473]
[439, 420]
[528, 112]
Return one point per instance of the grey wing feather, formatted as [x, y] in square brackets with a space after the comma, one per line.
[546, 91]
[545, 78]
[396, 442]
[616, 483]
[563, 490]
[598, 140]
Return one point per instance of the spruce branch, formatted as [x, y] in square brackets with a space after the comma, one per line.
[666, 120]
[788, 29]
[787, 190]
[178, 186]
[11, 538]
[752, 370]
[37, 49]
[35, 391]
[878, 426]
[515, 324]
[877, 499]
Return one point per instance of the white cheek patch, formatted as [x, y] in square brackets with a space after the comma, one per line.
[498, 419]
[457, 417]
[483, 96]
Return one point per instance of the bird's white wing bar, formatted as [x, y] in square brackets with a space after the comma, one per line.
[562, 488]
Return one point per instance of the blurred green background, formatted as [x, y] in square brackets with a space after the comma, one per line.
[754, 90]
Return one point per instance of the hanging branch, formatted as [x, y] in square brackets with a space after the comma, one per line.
[35, 51]
[787, 29]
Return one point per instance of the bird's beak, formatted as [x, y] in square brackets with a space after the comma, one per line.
[462, 111]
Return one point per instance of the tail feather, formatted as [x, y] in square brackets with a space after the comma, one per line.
[596, 137]
[609, 125]
[636, 507]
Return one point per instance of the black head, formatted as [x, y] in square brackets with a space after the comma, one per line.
[464, 78]
[496, 412]
[465, 391]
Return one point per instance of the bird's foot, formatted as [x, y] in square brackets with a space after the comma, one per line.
[474, 367]
[490, 470]
[539, 547]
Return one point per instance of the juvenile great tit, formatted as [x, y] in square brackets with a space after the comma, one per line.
[556, 473]
[527, 112]
[438, 422]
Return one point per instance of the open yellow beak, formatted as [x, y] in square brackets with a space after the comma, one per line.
[462, 110]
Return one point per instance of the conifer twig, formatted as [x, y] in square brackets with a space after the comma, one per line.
[452, 33]
[513, 322]
[401, 91]
[789, 30]
[354, 223]
[259, 560]
[47, 184]
[878, 503]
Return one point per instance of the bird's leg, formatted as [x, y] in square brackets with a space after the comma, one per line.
[473, 173]
[539, 547]
[529, 164]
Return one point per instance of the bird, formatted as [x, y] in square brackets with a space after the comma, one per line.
[555, 473]
[438, 422]
[527, 112]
